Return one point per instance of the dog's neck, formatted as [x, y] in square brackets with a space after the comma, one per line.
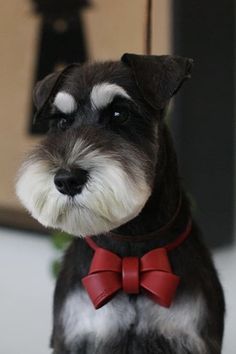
[161, 206]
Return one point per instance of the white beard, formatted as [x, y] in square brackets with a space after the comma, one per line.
[109, 199]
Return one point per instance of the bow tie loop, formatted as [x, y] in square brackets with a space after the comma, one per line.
[156, 259]
[105, 260]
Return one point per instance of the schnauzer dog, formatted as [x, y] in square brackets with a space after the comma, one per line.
[107, 172]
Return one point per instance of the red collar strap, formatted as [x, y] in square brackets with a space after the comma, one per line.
[151, 273]
[161, 233]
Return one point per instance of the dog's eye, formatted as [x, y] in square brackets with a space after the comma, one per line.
[120, 115]
[64, 123]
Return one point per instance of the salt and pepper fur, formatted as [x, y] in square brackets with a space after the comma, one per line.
[133, 188]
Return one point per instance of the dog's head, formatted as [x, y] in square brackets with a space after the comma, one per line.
[96, 167]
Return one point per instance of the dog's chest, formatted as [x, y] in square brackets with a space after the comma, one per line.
[81, 321]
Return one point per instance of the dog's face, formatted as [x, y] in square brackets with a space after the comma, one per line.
[96, 168]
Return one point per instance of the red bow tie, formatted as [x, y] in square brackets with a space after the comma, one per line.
[152, 273]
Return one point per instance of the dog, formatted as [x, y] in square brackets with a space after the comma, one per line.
[107, 172]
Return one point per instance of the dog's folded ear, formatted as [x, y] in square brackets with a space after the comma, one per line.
[46, 89]
[158, 77]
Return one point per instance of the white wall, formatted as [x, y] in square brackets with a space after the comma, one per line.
[26, 289]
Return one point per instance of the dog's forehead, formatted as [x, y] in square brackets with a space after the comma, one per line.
[98, 83]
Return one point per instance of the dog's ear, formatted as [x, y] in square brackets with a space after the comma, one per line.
[158, 77]
[43, 89]
[46, 89]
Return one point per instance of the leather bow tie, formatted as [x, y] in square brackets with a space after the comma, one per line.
[152, 273]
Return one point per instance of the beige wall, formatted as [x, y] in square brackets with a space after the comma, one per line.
[18, 32]
[113, 27]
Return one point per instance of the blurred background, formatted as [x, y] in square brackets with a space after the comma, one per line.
[39, 36]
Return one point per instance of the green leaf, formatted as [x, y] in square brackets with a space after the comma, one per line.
[56, 268]
[61, 240]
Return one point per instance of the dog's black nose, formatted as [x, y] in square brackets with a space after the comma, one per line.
[70, 182]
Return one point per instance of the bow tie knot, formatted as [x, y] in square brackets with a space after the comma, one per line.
[130, 275]
[151, 273]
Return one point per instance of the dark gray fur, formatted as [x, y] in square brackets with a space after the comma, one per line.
[191, 261]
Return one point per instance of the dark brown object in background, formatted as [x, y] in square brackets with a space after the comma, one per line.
[61, 40]
[20, 220]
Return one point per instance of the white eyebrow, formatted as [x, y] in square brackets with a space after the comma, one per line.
[65, 102]
[103, 94]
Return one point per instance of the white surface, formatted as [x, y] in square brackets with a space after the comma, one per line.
[226, 264]
[26, 292]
